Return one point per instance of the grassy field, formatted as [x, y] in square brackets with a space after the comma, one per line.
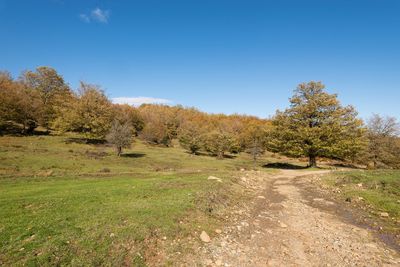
[379, 190]
[64, 202]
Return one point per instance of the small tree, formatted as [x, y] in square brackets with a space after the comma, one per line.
[253, 140]
[120, 136]
[316, 125]
[218, 143]
[191, 136]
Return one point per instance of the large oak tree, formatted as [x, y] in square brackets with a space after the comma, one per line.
[317, 125]
[90, 112]
[18, 104]
[51, 88]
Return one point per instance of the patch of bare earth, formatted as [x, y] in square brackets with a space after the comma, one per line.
[286, 225]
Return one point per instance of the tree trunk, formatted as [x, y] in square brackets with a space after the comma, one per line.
[119, 151]
[375, 162]
[24, 128]
[254, 160]
[312, 161]
[30, 129]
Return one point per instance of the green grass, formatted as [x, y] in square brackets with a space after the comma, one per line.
[380, 189]
[78, 204]
[24, 156]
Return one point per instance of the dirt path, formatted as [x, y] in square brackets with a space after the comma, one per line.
[288, 227]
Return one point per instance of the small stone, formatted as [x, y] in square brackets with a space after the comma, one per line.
[205, 237]
[261, 197]
[215, 179]
[384, 214]
[218, 262]
[242, 170]
[218, 231]
[164, 238]
[112, 235]
[273, 262]
[360, 185]
[276, 205]
[371, 245]
[245, 224]
[31, 238]
[281, 224]
[208, 262]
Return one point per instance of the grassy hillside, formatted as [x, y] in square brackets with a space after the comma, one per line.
[69, 203]
[378, 190]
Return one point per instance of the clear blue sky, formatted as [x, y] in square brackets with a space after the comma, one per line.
[218, 55]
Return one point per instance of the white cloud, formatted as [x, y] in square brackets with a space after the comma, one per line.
[137, 101]
[97, 15]
[84, 18]
[100, 15]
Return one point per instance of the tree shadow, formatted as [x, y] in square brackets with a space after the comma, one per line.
[205, 154]
[284, 165]
[133, 155]
[88, 141]
[15, 129]
[229, 156]
[196, 154]
[40, 132]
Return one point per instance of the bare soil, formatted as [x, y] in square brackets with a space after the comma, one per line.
[289, 223]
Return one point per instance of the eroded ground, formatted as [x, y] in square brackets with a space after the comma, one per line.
[290, 225]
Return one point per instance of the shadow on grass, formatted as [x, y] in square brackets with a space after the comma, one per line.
[88, 141]
[133, 155]
[13, 129]
[40, 132]
[285, 166]
[204, 154]
[229, 156]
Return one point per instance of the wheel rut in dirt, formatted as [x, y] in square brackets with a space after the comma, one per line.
[290, 225]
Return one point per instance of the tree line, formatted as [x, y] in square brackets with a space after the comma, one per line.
[315, 125]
